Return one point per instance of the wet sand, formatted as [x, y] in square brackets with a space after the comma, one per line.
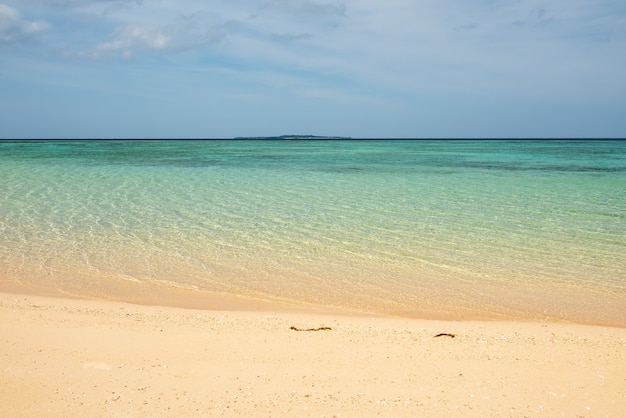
[71, 358]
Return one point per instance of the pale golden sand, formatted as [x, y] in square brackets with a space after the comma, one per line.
[64, 357]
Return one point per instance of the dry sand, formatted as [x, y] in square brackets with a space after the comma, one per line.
[75, 358]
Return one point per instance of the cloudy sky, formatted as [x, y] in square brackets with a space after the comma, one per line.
[358, 68]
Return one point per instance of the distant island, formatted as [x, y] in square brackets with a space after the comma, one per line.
[293, 137]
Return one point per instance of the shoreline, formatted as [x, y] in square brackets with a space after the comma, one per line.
[175, 297]
[75, 357]
[180, 298]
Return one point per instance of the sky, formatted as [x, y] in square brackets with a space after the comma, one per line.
[355, 68]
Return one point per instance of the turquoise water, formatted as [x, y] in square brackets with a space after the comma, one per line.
[443, 229]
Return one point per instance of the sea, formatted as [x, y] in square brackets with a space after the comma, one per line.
[456, 230]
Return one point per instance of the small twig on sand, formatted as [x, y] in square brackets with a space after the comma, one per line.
[445, 335]
[311, 329]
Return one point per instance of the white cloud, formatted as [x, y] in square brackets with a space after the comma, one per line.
[15, 29]
[131, 38]
[183, 34]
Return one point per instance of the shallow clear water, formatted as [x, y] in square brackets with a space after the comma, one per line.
[448, 229]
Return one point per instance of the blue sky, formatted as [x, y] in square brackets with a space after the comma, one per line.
[359, 68]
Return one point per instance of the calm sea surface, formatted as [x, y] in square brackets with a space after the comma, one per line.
[445, 229]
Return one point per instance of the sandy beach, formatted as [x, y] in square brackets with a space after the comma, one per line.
[67, 357]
